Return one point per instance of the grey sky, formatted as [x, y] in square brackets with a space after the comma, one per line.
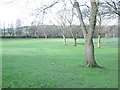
[13, 9]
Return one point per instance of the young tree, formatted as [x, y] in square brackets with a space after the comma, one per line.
[99, 28]
[11, 30]
[18, 27]
[4, 30]
[33, 29]
[45, 31]
[70, 19]
[63, 24]
[74, 33]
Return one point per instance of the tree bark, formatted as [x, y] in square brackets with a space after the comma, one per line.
[10, 34]
[83, 26]
[4, 31]
[88, 34]
[45, 37]
[13, 33]
[90, 59]
[64, 38]
[98, 45]
[75, 44]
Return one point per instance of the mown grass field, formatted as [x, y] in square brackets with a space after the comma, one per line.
[34, 63]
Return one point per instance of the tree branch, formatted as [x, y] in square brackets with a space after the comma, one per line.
[76, 5]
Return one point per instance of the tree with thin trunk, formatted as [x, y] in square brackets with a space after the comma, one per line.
[99, 28]
[45, 32]
[33, 29]
[18, 27]
[64, 36]
[73, 32]
[63, 24]
[11, 30]
[4, 30]
[62, 28]
[88, 34]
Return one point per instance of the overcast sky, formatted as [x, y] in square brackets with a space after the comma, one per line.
[10, 10]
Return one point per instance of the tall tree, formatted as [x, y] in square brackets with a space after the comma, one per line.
[100, 18]
[88, 34]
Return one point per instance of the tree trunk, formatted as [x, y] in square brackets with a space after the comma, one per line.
[90, 60]
[45, 38]
[10, 35]
[64, 38]
[75, 41]
[4, 32]
[88, 34]
[26, 35]
[13, 34]
[98, 45]
[37, 36]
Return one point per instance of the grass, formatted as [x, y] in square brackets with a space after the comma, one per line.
[34, 63]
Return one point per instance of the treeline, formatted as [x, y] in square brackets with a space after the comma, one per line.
[51, 31]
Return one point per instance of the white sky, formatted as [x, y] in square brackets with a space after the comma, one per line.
[10, 10]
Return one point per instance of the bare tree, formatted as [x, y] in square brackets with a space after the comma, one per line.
[70, 17]
[11, 30]
[18, 27]
[74, 33]
[100, 17]
[63, 24]
[4, 30]
[33, 29]
[113, 9]
[45, 32]
[88, 34]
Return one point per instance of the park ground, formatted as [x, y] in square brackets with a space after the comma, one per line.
[34, 63]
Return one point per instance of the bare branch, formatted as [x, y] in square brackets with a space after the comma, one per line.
[76, 5]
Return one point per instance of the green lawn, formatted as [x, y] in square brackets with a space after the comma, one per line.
[34, 63]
